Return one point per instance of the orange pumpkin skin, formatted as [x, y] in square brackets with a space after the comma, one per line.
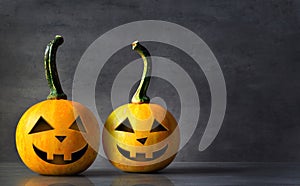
[60, 115]
[141, 117]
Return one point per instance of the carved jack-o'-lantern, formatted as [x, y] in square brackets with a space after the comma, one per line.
[51, 136]
[139, 136]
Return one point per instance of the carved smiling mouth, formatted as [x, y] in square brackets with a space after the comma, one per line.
[142, 156]
[58, 159]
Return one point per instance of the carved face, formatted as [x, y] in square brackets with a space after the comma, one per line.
[140, 137]
[52, 136]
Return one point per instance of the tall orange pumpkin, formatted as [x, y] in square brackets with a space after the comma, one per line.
[141, 136]
[52, 136]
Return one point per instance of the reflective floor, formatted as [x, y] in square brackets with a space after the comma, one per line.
[176, 174]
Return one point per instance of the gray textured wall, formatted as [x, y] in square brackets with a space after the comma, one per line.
[255, 42]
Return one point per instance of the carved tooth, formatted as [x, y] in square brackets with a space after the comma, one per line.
[50, 156]
[132, 154]
[67, 157]
[148, 155]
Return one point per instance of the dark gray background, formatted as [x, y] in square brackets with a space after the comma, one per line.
[255, 42]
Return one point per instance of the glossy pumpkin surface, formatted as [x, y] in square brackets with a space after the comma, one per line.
[140, 137]
[51, 137]
[57, 136]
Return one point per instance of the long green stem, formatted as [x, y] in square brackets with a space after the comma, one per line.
[140, 95]
[56, 91]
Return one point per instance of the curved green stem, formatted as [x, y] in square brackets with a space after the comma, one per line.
[140, 94]
[56, 91]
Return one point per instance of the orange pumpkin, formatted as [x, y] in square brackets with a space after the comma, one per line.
[51, 136]
[140, 136]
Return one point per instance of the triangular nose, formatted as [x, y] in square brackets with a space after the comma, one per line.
[61, 138]
[142, 140]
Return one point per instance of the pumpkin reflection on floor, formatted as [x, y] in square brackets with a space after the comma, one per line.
[141, 179]
[57, 181]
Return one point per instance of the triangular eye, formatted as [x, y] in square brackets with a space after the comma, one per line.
[40, 126]
[78, 125]
[157, 127]
[125, 126]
